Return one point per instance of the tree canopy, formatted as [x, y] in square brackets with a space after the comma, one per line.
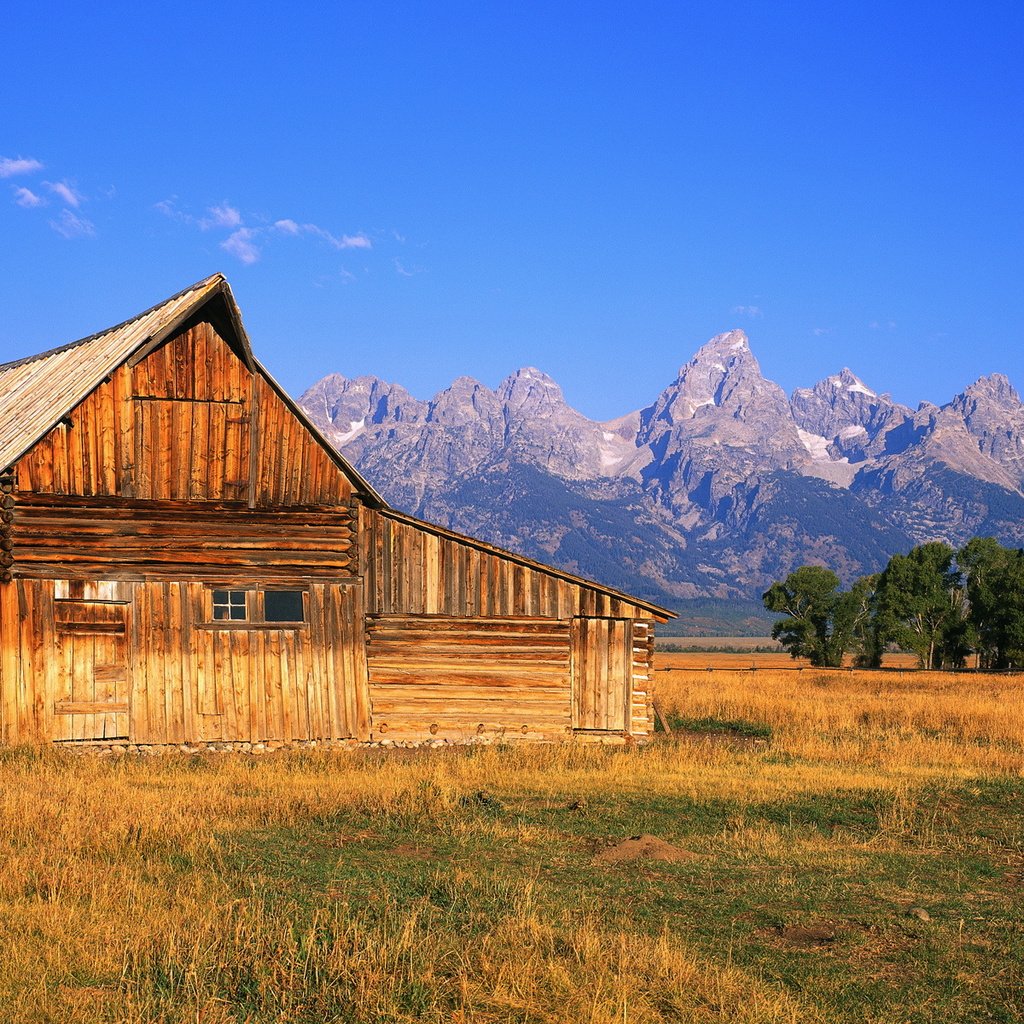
[939, 603]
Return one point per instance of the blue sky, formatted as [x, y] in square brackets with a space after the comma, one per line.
[425, 190]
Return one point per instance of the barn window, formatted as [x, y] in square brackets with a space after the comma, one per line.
[283, 606]
[254, 609]
[229, 605]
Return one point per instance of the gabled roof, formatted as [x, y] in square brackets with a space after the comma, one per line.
[38, 391]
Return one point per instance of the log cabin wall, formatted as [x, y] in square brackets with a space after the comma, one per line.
[179, 473]
[466, 640]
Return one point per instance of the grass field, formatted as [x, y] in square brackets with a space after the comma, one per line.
[837, 847]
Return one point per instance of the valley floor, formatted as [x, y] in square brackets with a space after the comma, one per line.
[820, 847]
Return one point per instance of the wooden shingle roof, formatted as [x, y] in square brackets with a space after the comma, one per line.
[38, 391]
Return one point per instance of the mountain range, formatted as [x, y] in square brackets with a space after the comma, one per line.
[718, 487]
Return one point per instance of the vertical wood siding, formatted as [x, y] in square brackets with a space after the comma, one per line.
[602, 676]
[188, 422]
[196, 681]
[68, 672]
[413, 569]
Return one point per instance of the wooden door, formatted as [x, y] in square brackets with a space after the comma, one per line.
[601, 673]
[91, 698]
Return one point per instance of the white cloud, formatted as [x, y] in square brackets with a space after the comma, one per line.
[882, 325]
[288, 226]
[241, 243]
[65, 192]
[754, 312]
[223, 216]
[168, 209]
[70, 225]
[246, 242]
[27, 198]
[405, 271]
[820, 332]
[353, 242]
[10, 166]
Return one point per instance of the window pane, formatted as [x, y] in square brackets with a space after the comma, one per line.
[283, 606]
[229, 604]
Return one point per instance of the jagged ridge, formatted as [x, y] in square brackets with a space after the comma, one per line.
[717, 487]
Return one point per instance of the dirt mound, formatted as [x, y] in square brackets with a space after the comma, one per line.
[643, 847]
[817, 934]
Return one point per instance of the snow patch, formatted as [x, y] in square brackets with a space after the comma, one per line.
[861, 389]
[353, 429]
[816, 445]
[852, 431]
[614, 451]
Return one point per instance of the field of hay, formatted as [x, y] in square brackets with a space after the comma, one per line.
[818, 846]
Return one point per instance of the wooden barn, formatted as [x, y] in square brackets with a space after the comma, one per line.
[184, 559]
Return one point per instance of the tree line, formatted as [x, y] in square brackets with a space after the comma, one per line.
[939, 603]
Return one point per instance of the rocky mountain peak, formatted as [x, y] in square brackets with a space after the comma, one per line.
[843, 419]
[995, 388]
[464, 401]
[530, 387]
[345, 407]
[993, 414]
[722, 354]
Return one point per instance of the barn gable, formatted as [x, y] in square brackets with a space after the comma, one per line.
[180, 377]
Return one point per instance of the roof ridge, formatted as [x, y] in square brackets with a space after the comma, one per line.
[205, 282]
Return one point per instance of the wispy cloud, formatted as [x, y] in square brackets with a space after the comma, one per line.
[11, 166]
[820, 332]
[70, 225]
[754, 312]
[247, 240]
[223, 216]
[242, 243]
[65, 192]
[287, 226]
[27, 198]
[882, 325]
[402, 270]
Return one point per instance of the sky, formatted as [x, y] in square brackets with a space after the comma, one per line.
[426, 190]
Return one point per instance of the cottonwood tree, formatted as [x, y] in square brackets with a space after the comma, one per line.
[820, 620]
[995, 592]
[922, 606]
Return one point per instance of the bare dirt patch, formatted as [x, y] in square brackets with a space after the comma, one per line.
[643, 847]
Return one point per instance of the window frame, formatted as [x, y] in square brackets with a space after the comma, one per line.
[255, 607]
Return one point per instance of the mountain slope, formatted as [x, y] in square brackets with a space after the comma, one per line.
[721, 485]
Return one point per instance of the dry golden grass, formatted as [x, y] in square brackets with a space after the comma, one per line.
[370, 886]
[740, 660]
[118, 901]
[918, 723]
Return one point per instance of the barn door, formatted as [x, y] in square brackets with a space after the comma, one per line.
[601, 673]
[91, 699]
